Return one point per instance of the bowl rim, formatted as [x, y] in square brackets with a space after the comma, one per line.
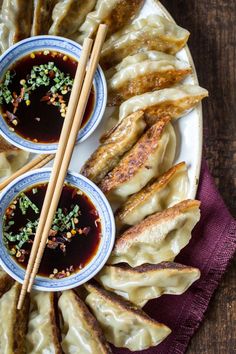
[109, 236]
[89, 127]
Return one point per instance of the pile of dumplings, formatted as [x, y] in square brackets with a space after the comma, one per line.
[133, 166]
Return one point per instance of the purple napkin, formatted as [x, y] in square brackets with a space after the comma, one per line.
[211, 248]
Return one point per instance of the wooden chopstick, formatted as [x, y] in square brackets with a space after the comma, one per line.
[76, 90]
[38, 162]
[101, 34]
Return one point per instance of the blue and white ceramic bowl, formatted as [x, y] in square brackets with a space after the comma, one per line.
[67, 47]
[25, 181]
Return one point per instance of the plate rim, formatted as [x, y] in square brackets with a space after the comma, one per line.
[198, 109]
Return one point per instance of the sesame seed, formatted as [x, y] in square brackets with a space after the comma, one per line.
[68, 235]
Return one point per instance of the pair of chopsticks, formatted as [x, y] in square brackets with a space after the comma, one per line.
[38, 162]
[76, 108]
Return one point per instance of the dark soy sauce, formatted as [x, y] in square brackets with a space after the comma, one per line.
[40, 122]
[81, 248]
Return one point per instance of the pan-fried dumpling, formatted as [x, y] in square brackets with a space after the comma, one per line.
[68, 15]
[43, 333]
[152, 155]
[11, 158]
[169, 189]
[159, 237]
[124, 324]
[4, 33]
[42, 19]
[81, 332]
[13, 324]
[175, 102]
[114, 13]
[146, 282]
[5, 282]
[17, 17]
[144, 72]
[114, 145]
[151, 33]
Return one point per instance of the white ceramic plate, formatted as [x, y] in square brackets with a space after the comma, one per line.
[188, 128]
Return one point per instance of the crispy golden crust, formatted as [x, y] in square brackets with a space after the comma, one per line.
[153, 187]
[135, 158]
[112, 55]
[122, 304]
[6, 282]
[148, 268]
[55, 324]
[174, 110]
[155, 219]
[20, 323]
[146, 83]
[123, 13]
[91, 322]
[5, 146]
[114, 145]
[42, 19]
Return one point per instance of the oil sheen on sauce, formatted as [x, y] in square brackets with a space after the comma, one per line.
[39, 121]
[80, 248]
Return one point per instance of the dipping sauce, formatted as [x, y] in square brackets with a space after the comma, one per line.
[34, 95]
[73, 239]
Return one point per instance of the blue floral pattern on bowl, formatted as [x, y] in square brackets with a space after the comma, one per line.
[8, 263]
[72, 49]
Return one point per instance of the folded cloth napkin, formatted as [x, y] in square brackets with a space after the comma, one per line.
[211, 248]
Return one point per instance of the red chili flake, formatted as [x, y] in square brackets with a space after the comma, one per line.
[93, 212]
[51, 74]
[45, 98]
[11, 116]
[60, 275]
[86, 230]
[22, 92]
[74, 193]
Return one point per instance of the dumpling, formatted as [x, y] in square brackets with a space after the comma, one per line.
[17, 17]
[151, 33]
[114, 144]
[13, 324]
[11, 158]
[43, 333]
[4, 33]
[114, 13]
[152, 155]
[175, 102]
[42, 18]
[146, 282]
[68, 15]
[5, 282]
[167, 190]
[81, 332]
[144, 72]
[124, 324]
[159, 237]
